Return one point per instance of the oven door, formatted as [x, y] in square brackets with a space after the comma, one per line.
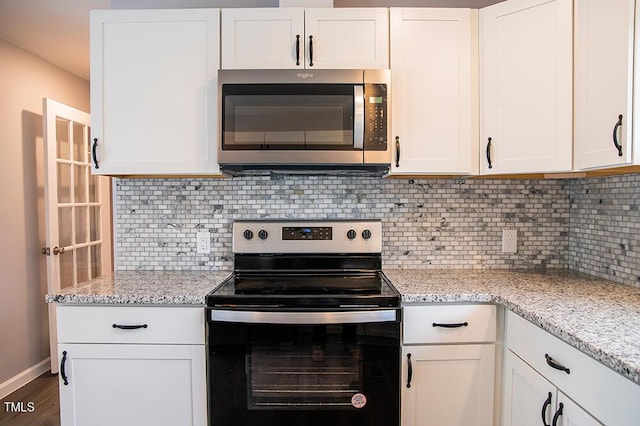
[317, 368]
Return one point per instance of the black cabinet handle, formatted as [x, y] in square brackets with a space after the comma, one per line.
[553, 364]
[409, 371]
[93, 152]
[489, 153]
[297, 49]
[557, 415]
[310, 51]
[451, 325]
[615, 135]
[63, 374]
[546, 404]
[129, 327]
[397, 151]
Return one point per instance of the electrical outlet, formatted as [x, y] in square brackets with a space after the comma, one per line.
[203, 242]
[509, 240]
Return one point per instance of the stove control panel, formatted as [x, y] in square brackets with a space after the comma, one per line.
[307, 233]
[342, 236]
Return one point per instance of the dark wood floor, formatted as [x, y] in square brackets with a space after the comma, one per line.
[43, 393]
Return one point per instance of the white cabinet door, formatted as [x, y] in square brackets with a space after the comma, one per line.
[572, 414]
[434, 121]
[344, 38]
[603, 82]
[153, 91]
[263, 38]
[527, 395]
[449, 385]
[526, 94]
[289, 38]
[132, 385]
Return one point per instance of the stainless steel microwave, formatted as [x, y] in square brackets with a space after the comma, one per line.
[315, 120]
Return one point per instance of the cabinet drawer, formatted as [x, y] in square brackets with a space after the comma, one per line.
[95, 324]
[605, 394]
[418, 324]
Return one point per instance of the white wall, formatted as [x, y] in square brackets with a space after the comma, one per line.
[24, 80]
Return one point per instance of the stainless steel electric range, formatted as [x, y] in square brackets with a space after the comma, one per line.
[307, 328]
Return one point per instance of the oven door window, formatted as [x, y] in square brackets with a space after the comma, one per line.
[288, 117]
[340, 374]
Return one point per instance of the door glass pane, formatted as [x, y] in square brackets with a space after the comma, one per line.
[64, 183]
[79, 143]
[80, 184]
[96, 268]
[94, 188]
[81, 225]
[66, 269]
[82, 263]
[62, 139]
[64, 226]
[94, 221]
[279, 117]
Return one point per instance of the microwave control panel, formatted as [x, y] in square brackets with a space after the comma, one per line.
[375, 107]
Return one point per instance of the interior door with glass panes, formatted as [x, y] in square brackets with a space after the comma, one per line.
[77, 207]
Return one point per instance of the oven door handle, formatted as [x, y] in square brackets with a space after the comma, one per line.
[294, 318]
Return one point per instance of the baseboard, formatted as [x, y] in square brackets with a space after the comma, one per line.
[25, 377]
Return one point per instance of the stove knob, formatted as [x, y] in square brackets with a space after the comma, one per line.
[262, 234]
[247, 234]
[366, 234]
[351, 234]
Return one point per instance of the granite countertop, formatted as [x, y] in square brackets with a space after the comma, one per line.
[143, 288]
[599, 317]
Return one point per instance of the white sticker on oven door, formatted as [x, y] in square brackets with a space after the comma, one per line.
[359, 400]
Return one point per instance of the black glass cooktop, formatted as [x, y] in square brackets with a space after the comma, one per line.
[300, 290]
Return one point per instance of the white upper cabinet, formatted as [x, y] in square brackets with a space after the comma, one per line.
[526, 94]
[434, 85]
[289, 38]
[604, 32]
[263, 38]
[347, 38]
[154, 91]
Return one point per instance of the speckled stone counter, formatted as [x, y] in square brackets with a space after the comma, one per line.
[143, 288]
[599, 317]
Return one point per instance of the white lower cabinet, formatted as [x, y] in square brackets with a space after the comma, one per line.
[544, 376]
[446, 379]
[448, 385]
[161, 381]
[530, 399]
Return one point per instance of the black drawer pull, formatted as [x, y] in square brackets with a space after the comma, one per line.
[558, 414]
[615, 135]
[310, 51]
[93, 152]
[547, 403]
[454, 325]
[489, 153]
[553, 364]
[129, 327]
[409, 371]
[297, 49]
[63, 373]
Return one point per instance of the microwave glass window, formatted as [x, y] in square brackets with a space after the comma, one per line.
[269, 120]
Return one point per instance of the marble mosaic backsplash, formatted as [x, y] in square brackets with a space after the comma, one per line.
[427, 223]
[604, 237]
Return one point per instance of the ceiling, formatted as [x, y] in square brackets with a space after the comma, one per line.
[58, 30]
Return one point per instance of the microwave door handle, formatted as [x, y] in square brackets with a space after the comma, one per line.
[358, 117]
